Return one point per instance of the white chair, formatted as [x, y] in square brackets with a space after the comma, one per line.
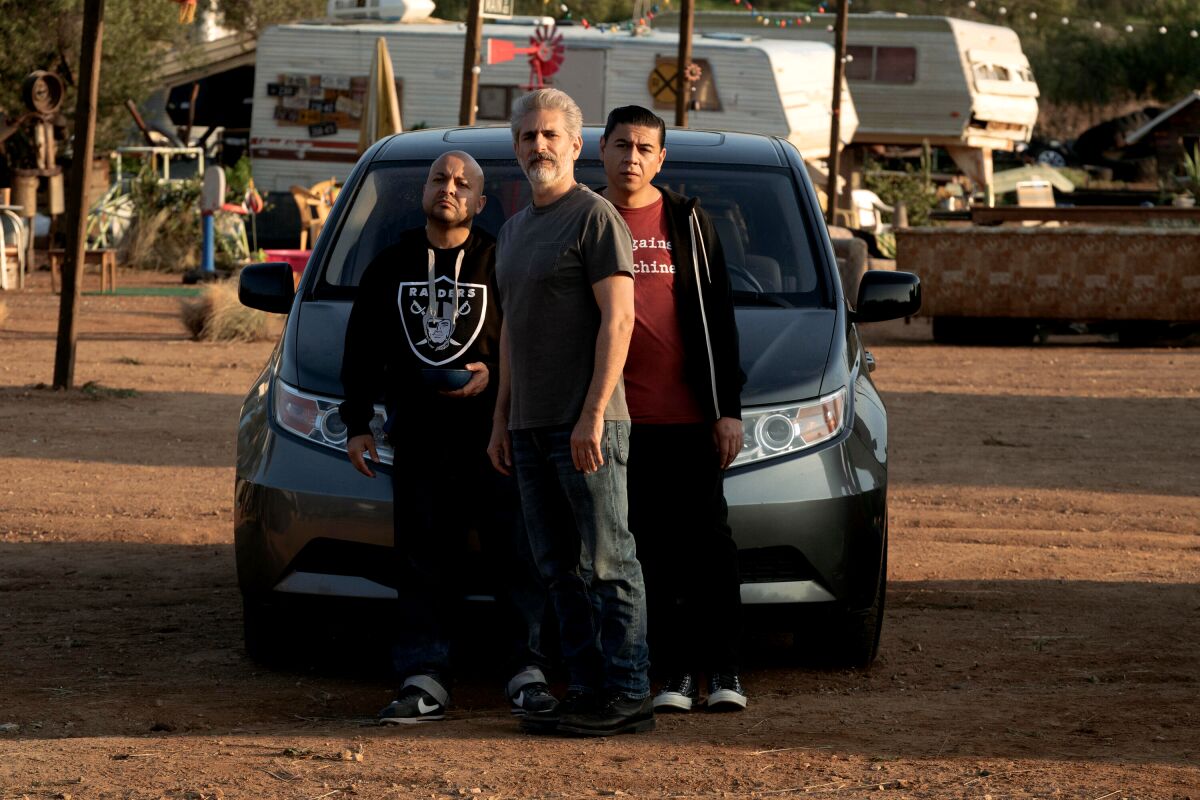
[9, 219]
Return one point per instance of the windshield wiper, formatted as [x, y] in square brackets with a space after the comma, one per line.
[757, 299]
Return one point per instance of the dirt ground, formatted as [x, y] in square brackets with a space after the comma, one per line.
[1042, 635]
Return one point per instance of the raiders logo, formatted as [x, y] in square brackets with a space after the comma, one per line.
[441, 330]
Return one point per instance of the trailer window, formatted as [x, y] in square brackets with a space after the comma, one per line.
[495, 102]
[881, 64]
[895, 64]
[755, 212]
[860, 63]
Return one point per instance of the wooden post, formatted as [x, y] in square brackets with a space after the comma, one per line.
[683, 88]
[470, 76]
[81, 162]
[835, 134]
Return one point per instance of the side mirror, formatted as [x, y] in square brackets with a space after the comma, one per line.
[267, 287]
[884, 295]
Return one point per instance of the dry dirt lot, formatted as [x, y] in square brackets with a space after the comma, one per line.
[1042, 636]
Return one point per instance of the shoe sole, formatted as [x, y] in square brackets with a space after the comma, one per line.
[673, 702]
[726, 700]
[531, 725]
[641, 726]
[411, 720]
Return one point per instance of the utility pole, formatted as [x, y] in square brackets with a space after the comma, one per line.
[470, 76]
[835, 135]
[81, 164]
[683, 87]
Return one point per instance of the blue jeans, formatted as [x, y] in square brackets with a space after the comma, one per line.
[578, 529]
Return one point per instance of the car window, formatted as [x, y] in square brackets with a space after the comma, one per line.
[755, 212]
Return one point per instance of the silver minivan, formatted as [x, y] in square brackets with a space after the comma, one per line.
[807, 495]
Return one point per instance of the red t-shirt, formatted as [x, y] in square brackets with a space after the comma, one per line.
[655, 388]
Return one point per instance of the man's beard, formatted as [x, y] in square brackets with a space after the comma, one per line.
[542, 171]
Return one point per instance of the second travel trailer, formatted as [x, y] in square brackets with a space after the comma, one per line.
[965, 86]
[310, 83]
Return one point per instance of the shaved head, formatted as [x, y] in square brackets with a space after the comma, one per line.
[470, 166]
[453, 192]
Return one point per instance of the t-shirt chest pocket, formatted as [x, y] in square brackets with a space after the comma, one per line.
[544, 259]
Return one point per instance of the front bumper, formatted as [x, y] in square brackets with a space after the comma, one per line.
[809, 527]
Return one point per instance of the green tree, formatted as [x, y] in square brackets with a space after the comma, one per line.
[46, 34]
[255, 15]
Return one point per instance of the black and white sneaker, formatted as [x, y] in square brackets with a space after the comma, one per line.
[411, 706]
[725, 692]
[680, 693]
[532, 698]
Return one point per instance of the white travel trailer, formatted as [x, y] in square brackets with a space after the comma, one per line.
[962, 85]
[310, 80]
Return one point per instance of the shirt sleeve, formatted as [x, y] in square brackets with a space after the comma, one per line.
[607, 247]
[363, 363]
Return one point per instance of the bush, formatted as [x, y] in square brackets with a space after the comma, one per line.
[217, 315]
[165, 232]
[912, 187]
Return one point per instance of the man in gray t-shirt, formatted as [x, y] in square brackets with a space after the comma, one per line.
[564, 270]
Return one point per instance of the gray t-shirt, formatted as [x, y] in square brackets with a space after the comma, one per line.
[546, 262]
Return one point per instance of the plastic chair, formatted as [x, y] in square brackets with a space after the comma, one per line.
[314, 204]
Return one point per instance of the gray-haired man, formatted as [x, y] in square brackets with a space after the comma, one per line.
[564, 268]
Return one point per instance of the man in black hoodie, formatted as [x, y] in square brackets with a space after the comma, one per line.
[426, 308]
[683, 384]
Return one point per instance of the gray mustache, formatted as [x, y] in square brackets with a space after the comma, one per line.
[542, 157]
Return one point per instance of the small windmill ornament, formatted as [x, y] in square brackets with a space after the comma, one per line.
[546, 53]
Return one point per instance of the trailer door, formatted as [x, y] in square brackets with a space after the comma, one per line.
[583, 77]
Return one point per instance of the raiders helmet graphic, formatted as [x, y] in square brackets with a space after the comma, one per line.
[441, 328]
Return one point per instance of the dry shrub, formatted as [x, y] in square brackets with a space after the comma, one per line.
[216, 315]
[157, 240]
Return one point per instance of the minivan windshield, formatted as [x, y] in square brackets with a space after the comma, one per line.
[756, 213]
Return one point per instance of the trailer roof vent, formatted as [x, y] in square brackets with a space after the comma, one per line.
[385, 10]
[730, 36]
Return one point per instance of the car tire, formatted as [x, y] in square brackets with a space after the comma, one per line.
[855, 639]
[264, 631]
[1051, 158]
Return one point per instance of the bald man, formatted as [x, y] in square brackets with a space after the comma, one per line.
[427, 303]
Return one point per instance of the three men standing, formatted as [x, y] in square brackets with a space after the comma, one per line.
[554, 366]
[564, 270]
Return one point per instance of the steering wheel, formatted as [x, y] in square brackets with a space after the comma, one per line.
[741, 280]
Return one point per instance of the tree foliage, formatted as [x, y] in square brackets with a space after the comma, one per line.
[46, 34]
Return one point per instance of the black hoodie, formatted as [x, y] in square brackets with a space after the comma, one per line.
[395, 331]
[704, 302]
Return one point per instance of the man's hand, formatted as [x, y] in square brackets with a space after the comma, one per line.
[359, 446]
[477, 384]
[499, 448]
[586, 454]
[727, 436]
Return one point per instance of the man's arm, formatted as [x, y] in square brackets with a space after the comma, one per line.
[500, 446]
[614, 297]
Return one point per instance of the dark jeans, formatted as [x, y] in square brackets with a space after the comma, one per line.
[444, 488]
[579, 533]
[678, 516]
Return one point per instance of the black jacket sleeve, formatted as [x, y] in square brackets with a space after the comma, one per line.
[364, 365]
[718, 308]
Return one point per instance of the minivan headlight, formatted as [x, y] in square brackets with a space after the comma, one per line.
[778, 431]
[316, 419]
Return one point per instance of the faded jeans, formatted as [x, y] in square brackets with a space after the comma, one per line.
[578, 527]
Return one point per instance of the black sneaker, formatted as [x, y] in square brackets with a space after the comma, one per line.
[725, 692]
[619, 714]
[546, 721]
[532, 698]
[411, 706]
[680, 693]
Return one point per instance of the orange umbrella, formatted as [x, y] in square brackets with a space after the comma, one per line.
[381, 117]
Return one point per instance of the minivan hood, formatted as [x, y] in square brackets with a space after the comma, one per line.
[783, 352]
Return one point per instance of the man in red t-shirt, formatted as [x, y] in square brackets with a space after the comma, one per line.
[683, 385]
